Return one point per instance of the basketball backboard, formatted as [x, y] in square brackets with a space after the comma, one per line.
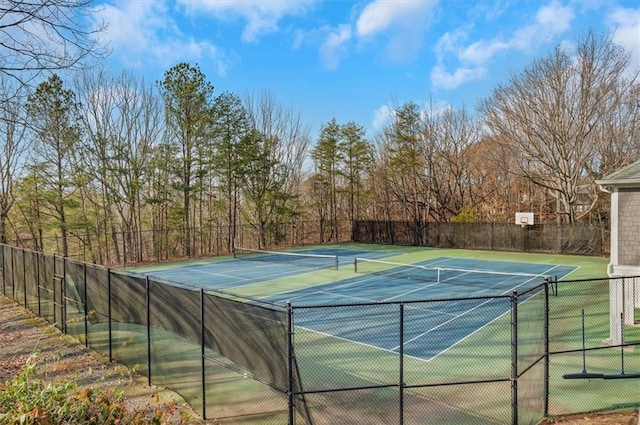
[524, 219]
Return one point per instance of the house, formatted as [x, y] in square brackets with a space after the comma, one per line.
[624, 294]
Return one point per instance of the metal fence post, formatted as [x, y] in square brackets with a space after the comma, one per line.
[13, 277]
[85, 305]
[401, 365]
[53, 292]
[290, 386]
[63, 294]
[109, 314]
[4, 287]
[148, 307]
[157, 236]
[38, 284]
[24, 276]
[202, 358]
[546, 345]
[514, 358]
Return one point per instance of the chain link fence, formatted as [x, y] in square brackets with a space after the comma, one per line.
[122, 248]
[242, 360]
[589, 369]
[576, 239]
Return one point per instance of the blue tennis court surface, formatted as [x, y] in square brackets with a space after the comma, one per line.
[462, 277]
[431, 327]
[232, 273]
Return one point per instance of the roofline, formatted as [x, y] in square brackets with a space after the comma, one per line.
[619, 182]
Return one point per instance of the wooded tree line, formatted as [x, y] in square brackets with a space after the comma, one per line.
[98, 155]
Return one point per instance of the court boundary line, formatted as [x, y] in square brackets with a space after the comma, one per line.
[373, 277]
[456, 317]
[244, 281]
[486, 324]
[451, 319]
[351, 341]
[365, 278]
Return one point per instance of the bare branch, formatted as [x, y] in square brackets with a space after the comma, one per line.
[46, 35]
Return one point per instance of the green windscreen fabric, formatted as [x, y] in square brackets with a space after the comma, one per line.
[531, 354]
[254, 337]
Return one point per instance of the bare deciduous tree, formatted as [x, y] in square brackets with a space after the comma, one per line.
[453, 178]
[122, 118]
[13, 145]
[552, 118]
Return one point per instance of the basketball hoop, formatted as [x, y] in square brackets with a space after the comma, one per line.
[524, 219]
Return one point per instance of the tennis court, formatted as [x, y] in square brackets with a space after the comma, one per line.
[408, 331]
[432, 327]
[259, 266]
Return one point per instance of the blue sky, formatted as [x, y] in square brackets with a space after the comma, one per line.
[354, 60]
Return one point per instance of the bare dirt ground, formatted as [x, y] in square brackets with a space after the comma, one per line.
[627, 418]
[62, 358]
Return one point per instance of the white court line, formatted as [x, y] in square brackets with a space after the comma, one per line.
[410, 292]
[476, 330]
[249, 281]
[377, 347]
[212, 273]
[315, 293]
[346, 296]
[395, 349]
[457, 316]
[352, 341]
[327, 290]
[365, 278]
[477, 291]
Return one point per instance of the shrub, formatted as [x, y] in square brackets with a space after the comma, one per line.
[26, 399]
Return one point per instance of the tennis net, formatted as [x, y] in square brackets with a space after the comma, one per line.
[318, 261]
[470, 277]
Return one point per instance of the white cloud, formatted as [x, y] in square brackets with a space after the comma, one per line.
[375, 17]
[625, 24]
[262, 17]
[382, 117]
[482, 51]
[471, 58]
[142, 33]
[380, 15]
[449, 42]
[555, 18]
[450, 80]
[401, 22]
[334, 46]
[404, 22]
[550, 21]
[132, 26]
